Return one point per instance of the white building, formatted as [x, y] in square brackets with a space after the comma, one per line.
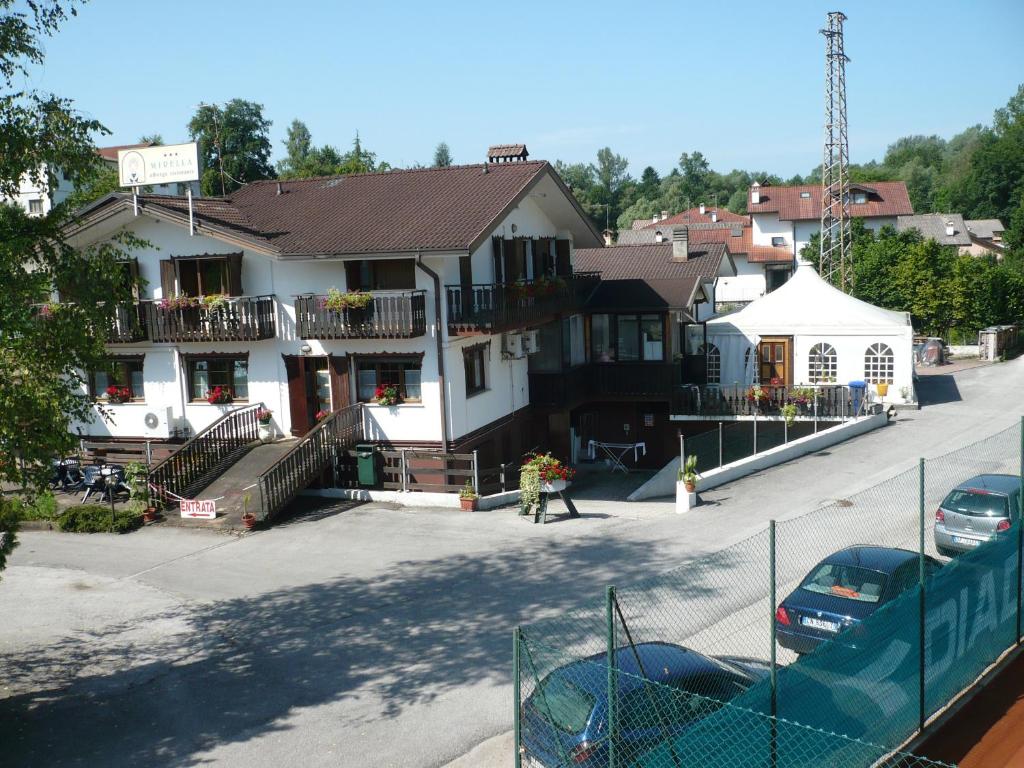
[808, 332]
[437, 250]
[787, 217]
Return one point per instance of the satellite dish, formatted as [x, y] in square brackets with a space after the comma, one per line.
[151, 420]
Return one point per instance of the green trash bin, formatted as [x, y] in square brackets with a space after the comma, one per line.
[366, 465]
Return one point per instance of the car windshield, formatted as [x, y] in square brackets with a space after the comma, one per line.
[847, 581]
[976, 504]
[563, 704]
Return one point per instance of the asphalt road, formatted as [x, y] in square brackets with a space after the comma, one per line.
[378, 636]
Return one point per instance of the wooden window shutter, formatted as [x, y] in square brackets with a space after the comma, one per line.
[234, 274]
[496, 255]
[340, 395]
[537, 257]
[168, 278]
[133, 275]
[563, 266]
[466, 273]
[508, 250]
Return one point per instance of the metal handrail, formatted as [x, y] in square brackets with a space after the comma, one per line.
[205, 451]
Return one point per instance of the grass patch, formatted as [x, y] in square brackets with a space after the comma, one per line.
[95, 518]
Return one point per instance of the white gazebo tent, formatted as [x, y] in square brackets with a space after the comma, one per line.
[832, 335]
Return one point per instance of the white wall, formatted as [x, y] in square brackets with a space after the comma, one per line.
[850, 352]
[747, 285]
[767, 225]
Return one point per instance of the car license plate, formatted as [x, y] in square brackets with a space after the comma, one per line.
[966, 542]
[828, 626]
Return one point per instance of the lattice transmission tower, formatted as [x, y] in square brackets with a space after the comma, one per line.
[836, 257]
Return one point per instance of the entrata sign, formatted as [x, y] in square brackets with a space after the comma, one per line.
[144, 166]
[198, 509]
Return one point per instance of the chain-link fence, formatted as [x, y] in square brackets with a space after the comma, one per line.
[756, 656]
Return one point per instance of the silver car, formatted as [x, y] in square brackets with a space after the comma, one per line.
[976, 511]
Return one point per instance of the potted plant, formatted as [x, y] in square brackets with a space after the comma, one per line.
[789, 412]
[219, 396]
[338, 302]
[215, 301]
[688, 474]
[116, 394]
[321, 415]
[137, 477]
[265, 430]
[541, 473]
[176, 301]
[468, 497]
[386, 394]
[756, 396]
[248, 518]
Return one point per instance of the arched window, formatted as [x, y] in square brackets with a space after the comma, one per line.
[878, 364]
[747, 354]
[714, 360]
[822, 364]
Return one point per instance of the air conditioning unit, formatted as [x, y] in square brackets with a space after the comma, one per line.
[157, 423]
[531, 342]
[512, 345]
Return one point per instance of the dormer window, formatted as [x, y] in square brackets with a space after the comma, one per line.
[859, 198]
[805, 195]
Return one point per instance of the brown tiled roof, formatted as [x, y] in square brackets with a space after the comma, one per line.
[110, 153]
[427, 209]
[643, 295]
[650, 262]
[694, 216]
[505, 151]
[886, 198]
[741, 245]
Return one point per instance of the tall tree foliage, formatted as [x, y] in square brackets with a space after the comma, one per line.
[442, 155]
[304, 159]
[43, 348]
[234, 145]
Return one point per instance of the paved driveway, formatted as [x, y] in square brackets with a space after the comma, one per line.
[370, 637]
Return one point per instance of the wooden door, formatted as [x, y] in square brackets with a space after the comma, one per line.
[774, 354]
[315, 384]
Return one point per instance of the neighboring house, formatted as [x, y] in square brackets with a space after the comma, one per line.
[789, 216]
[760, 269]
[986, 237]
[943, 228]
[699, 215]
[459, 261]
[613, 375]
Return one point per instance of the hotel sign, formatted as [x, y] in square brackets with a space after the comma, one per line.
[145, 166]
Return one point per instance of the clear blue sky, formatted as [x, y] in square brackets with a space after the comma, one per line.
[740, 82]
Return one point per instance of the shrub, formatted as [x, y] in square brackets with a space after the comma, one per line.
[44, 507]
[95, 518]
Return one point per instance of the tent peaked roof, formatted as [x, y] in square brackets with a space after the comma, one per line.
[807, 304]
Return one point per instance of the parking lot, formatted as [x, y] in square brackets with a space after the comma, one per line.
[369, 635]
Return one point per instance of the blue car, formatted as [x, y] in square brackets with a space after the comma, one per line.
[843, 590]
[565, 720]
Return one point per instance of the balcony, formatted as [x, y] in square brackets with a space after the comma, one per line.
[493, 308]
[128, 325]
[239, 318]
[830, 401]
[606, 381]
[390, 315]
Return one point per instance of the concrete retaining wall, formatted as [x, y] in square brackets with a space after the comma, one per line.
[414, 498]
[664, 483]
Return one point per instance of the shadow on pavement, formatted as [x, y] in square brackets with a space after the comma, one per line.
[938, 388]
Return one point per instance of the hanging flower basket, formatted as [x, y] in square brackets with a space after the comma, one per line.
[219, 396]
[386, 395]
[116, 394]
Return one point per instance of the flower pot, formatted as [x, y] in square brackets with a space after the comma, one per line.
[149, 515]
[265, 432]
[249, 521]
[468, 505]
[554, 486]
[690, 487]
[883, 389]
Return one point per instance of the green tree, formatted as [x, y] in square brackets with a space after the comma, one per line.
[98, 180]
[442, 156]
[234, 145]
[650, 183]
[43, 351]
[298, 144]
[153, 138]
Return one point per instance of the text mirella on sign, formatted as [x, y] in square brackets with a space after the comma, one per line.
[144, 166]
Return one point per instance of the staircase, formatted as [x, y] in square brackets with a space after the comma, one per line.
[202, 459]
[307, 460]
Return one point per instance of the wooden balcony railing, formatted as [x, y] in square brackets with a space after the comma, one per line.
[623, 380]
[491, 308]
[336, 434]
[240, 318]
[390, 315]
[199, 461]
[128, 325]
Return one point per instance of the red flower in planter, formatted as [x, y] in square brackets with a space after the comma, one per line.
[219, 396]
[119, 394]
[386, 394]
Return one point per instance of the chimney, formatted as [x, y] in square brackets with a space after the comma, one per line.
[680, 245]
[714, 216]
[609, 237]
[658, 237]
[755, 193]
[655, 219]
[950, 229]
[664, 215]
[702, 209]
[279, 187]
